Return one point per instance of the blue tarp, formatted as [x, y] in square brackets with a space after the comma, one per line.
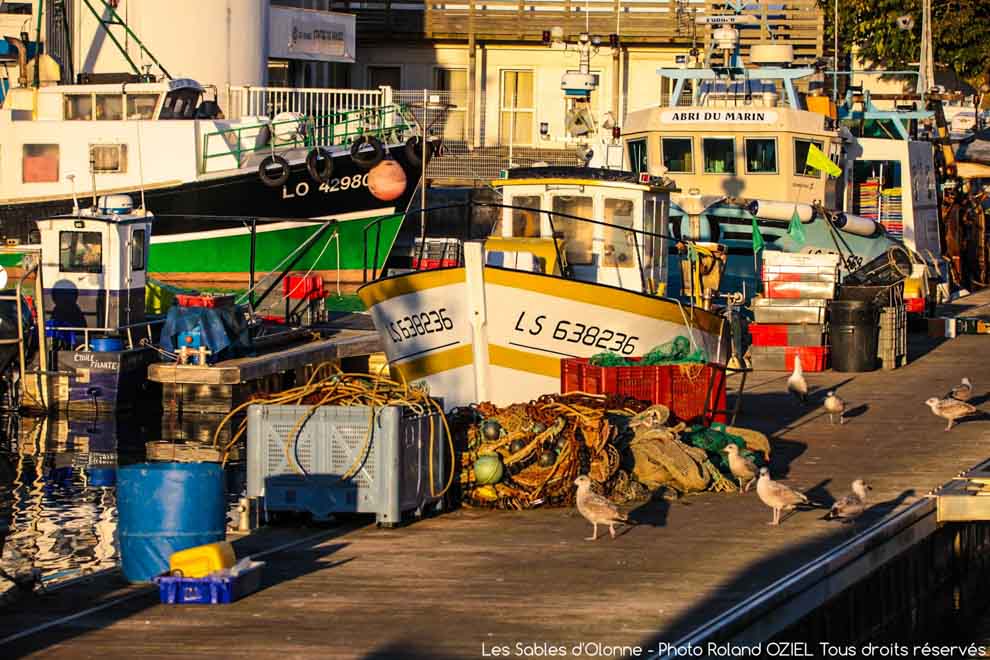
[223, 329]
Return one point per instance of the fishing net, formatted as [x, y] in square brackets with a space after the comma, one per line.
[715, 438]
[675, 351]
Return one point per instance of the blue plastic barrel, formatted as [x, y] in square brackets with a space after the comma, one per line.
[166, 507]
[106, 344]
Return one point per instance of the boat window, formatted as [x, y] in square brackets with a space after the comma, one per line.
[78, 107]
[108, 158]
[761, 156]
[109, 107]
[720, 155]
[678, 154]
[637, 156]
[141, 106]
[180, 104]
[137, 250]
[619, 242]
[525, 224]
[801, 167]
[39, 163]
[80, 252]
[578, 235]
[651, 244]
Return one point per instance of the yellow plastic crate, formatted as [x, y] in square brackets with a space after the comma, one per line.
[202, 560]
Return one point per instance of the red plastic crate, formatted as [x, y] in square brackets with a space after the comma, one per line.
[431, 264]
[768, 334]
[303, 287]
[203, 300]
[781, 358]
[669, 385]
[914, 305]
[787, 334]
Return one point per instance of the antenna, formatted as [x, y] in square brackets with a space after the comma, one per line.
[92, 172]
[75, 200]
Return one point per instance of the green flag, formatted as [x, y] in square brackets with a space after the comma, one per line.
[758, 241]
[796, 230]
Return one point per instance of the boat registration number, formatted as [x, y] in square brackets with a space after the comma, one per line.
[575, 332]
[419, 325]
[303, 188]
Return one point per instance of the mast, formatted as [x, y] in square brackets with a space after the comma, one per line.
[926, 63]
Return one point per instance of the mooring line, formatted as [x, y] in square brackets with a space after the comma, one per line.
[140, 591]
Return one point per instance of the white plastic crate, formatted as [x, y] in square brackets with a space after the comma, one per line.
[390, 461]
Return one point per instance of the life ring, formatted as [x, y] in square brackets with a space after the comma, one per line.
[367, 159]
[414, 151]
[319, 164]
[267, 177]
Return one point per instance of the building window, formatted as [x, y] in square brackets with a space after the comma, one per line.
[141, 106]
[678, 154]
[720, 155]
[382, 76]
[517, 112]
[801, 167]
[638, 160]
[453, 84]
[80, 252]
[78, 107]
[578, 235]
[761, 156]
[108, 158]
[39, 163]
[137, 250]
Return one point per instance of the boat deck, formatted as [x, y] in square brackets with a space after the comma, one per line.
[460, 584]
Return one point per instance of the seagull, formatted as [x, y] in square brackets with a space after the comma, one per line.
[796, 384]
[950, 409]
[596, 509]
[835, 406]
[777, 496]
[849, 507]
[963, 391]
[741, 467]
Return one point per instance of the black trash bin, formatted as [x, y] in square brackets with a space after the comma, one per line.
[853, 332]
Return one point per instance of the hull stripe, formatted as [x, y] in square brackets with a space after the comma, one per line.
[378, 292]
[510, 358]
[428, 365]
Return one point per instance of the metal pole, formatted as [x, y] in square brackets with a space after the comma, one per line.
[835, 54]
[254, 243]
[422, 174]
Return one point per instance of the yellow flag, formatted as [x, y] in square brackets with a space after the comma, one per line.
[820, 161]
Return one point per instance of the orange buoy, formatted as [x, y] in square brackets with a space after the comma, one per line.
[387, 180]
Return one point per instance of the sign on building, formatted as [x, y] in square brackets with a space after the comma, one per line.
[306, 34]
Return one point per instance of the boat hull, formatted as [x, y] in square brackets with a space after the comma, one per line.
[532, 322]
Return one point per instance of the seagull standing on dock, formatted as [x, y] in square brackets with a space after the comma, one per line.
[851, 506]
[777, 496]
[741, 467]
[596, 509]
[963, 391]
[835, 406]
[796, 384]
[950, 409]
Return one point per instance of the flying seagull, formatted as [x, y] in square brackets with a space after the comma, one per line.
[796, 384]
[835, 406]
[596, 509]
[851, 506]
[950, 409]
[777, 496]
[741, 467]
[963, 391]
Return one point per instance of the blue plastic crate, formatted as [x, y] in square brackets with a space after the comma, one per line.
[177, 590]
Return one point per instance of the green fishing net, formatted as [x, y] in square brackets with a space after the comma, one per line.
[714, 439]
[675, 351]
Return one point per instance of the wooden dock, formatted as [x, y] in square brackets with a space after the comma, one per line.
[458, 585]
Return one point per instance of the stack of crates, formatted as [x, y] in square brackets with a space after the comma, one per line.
[892, 346]
[436, 253]
[790, 315]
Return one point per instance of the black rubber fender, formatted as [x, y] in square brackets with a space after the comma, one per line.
[319, 164]
[414, 151]
[365, 159]
[268, 164]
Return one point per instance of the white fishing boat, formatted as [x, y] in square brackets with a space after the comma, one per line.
[574, 267]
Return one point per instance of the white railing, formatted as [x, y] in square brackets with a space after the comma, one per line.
[238, 102]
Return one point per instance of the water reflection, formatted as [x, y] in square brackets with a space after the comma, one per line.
[58, 509]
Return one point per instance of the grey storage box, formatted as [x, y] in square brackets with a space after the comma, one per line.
[343, 459]
[892, 344]
[777, 310]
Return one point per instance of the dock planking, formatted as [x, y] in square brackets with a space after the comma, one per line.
[445, 586]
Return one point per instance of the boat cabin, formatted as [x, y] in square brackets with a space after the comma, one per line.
[94, 265]
[604, 226]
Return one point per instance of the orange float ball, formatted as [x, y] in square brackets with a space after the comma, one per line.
[387, 181]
